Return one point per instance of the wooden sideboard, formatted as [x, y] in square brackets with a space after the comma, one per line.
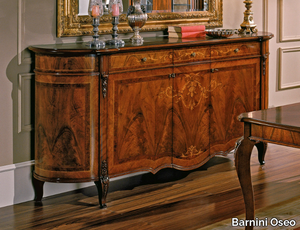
[102, 113]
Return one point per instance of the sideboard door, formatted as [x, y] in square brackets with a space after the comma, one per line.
[238, 92]
[139, 121]
[66, 131]
[191, 95]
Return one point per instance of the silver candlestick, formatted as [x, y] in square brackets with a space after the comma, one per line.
[115, 7]
[115, 41]
[96, 42]
[95, 11]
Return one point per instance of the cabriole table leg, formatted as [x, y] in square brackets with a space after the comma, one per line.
[242, 164]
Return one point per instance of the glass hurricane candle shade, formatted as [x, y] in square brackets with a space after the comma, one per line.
[95, 11]
[115, 7]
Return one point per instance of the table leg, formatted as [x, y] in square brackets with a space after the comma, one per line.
[261, 148]
[242, 163]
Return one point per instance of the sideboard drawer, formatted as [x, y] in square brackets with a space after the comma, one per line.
[61, 64]
[141, 60]
[235, 50]
[191, 54]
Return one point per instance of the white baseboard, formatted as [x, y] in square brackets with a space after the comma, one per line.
[16, 184]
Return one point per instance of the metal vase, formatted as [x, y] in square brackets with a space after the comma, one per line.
[137, 18]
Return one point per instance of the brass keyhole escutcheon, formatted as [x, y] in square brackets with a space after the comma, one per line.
[172, 75]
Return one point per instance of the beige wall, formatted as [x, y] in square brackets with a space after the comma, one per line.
[23, 23]
[8, 49]
[283, 21]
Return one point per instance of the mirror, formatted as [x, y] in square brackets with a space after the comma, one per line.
[153, 6]
[73, 20]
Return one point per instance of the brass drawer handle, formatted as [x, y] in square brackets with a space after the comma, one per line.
[236, 50]
[193, 54]
[144, 59]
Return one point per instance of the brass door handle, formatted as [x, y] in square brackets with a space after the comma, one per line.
[193, 54]
[144, 59]
[236, 50]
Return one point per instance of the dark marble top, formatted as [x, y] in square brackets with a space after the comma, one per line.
[149, 43]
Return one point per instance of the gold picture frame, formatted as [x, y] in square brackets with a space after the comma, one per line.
[69, 23]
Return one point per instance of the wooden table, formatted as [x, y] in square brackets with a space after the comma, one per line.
[280, 125]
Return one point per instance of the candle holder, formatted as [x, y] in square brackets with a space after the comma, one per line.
[115, 7]
[96, 11]
[248, 25]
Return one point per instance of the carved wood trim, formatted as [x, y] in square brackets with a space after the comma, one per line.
[104, 178]
[104, 79]
[264, 59]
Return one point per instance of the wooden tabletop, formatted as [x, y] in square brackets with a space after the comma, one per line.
[286, 117]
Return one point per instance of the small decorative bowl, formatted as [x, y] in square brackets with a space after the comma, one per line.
[220, 33]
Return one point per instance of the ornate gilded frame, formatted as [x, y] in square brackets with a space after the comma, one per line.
[69, 23]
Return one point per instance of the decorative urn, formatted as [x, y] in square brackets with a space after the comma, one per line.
[137, 18]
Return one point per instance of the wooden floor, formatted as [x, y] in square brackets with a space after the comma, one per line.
[168, 200]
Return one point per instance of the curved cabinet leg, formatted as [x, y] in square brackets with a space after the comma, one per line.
[38, 187]
[102, 188]
[102, 185]
[261, 148]
[242, 163]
